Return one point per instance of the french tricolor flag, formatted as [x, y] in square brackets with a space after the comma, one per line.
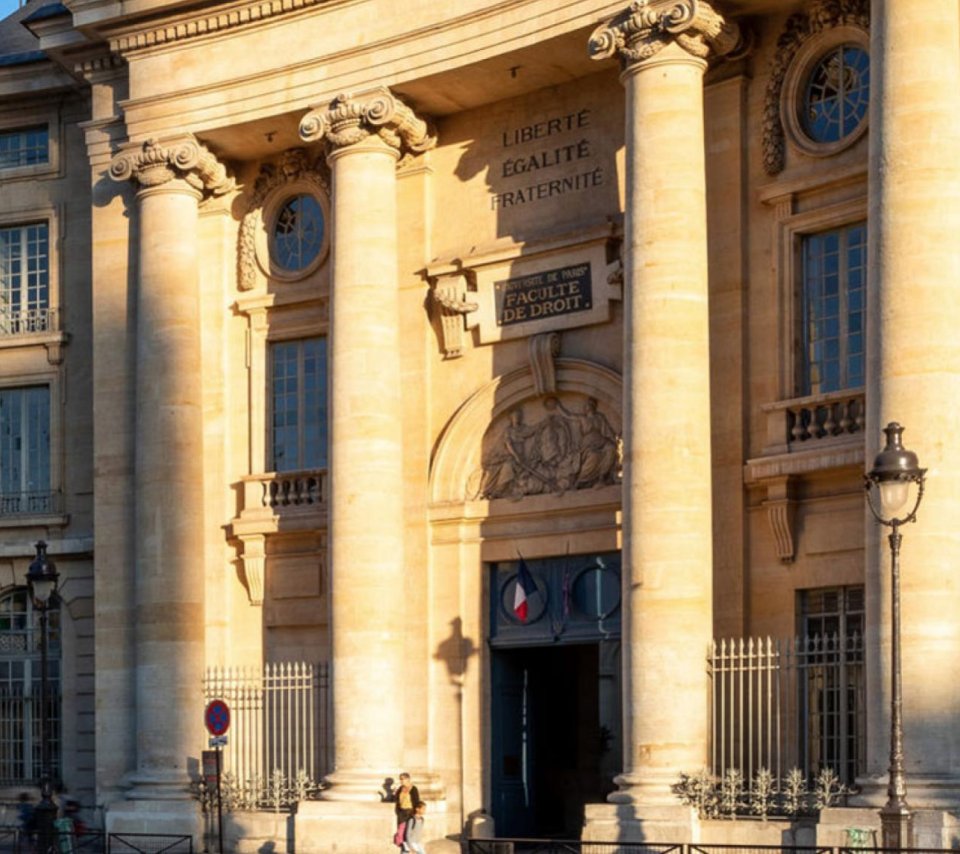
[523, 591]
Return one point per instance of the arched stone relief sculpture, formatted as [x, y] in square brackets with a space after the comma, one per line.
[568, 443]
[294, 168]
[508, 440]
[800, 28]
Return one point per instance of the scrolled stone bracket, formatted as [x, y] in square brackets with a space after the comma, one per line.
[449, 290]
[154, 163]
[543, 350]
[647, 27]
[781, 507]
[348, 120]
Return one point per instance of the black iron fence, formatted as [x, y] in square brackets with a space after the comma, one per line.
[13, 840]
[567, 846]
[577, 846]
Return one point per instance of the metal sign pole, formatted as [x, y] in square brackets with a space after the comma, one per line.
[219, 805]
[216, 717]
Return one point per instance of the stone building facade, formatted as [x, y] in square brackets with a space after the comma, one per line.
[320, 319]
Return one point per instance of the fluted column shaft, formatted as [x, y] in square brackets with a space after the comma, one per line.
[364, 138]
[168, 475]
[667, 530]
[913, 377]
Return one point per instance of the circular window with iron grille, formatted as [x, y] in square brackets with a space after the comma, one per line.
[292, 236]
[298, 233]
[826, 94]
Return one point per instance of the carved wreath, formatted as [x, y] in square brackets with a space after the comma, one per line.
[294, 165]
[800, 27]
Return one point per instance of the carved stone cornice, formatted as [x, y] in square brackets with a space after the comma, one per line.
[154, 163]
[294, 165]
[821, 15]
[348, 120]
[206, 23]
[103, 63]
[648, 26]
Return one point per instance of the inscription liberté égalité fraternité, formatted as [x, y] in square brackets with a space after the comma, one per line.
[540, 295]
[550, 151]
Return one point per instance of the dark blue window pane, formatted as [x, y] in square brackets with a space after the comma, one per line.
[299, 419]
[298, 233]
[837, 94]
[833, 318]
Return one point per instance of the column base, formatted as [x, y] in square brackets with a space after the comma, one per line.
[372, 786]
[647, 790]
[378, 786]
[344, 827]
[168, 817]
[640, 823]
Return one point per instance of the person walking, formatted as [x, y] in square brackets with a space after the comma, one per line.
[407, 797]
[413, 839]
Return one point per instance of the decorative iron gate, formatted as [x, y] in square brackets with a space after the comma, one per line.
[280, 720]
[791, 703]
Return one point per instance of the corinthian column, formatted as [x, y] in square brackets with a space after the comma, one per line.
[172, 177]
[365, 136]
[667, 534]
[913, 376]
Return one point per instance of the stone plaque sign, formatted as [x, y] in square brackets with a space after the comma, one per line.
[514, 290]
[541, 295]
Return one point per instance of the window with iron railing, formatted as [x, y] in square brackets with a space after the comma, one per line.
[25, 279]
[780, 704]
[832, 684]
[25, 451]
[20, 714]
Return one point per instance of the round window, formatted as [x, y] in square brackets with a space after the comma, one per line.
[297, 233]
[836, 95]
[596, 592]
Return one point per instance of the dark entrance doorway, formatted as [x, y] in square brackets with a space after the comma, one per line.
[556, 735]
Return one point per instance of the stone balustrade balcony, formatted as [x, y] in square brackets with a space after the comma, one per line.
[275, 501]
[28, 321]
[814, 422]
[23, 509]
[804, 436]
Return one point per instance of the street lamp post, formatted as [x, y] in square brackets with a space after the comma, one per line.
[42, 579]
[894, 470]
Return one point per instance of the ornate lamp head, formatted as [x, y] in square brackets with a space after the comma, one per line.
[894, 469]
[42, 577]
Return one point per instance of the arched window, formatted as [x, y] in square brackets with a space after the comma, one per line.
[21, 717]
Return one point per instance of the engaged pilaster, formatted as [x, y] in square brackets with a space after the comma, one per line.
[667, 536]
[172, 177]
[365, 136]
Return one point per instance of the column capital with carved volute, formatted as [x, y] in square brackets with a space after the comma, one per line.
[376, 117]
[644, 29]
[155, 163]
